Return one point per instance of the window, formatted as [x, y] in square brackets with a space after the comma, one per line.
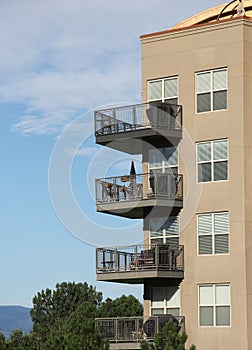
[165, 300]
[164, 230]
[163, 90]
[163, 160]
[213, 237]
[212, 160]
[214, 305]
[163, 164]
[211, 90]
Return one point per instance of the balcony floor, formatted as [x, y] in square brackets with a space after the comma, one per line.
[140, 276]
[132, 141]
[141, 208]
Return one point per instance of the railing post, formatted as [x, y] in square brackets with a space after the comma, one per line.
[116, 330]
[156, 255]
[116, 260]
[134, 116]
[136, 259]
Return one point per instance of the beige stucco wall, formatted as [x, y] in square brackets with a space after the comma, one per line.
[183, 53]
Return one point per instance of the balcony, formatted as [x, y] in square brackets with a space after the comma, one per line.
[126, 128]
[136, 263]
[128, 332]
[135, 196]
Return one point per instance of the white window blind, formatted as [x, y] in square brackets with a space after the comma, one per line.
[214, 305]
[211, 90]
[213, 233]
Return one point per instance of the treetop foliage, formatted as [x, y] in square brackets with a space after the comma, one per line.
[64, 319]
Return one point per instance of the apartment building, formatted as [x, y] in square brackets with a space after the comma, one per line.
[194, 132]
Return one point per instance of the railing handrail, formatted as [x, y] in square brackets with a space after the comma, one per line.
[145, 245]
[137, 317]
[140, 257]
[135, 329]
[140, 174]
[154, 114]
[151, 103]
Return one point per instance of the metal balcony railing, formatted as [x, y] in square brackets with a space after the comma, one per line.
[156, 115]
[140, 257]
[139, 187]
[136, 329]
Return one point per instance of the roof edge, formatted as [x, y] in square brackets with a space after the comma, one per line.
[174, 30]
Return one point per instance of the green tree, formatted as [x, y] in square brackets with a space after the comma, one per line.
[2, 342]
[124, 306]
[16, 338]
[78, 332]
[167, 339]
[50, 308]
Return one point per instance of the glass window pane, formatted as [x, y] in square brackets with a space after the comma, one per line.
[157, 224]
[219, 100]
[156, 235]
[206, 316]
[203, 82]
[222, 316]
[206, 295]
[205, 245]
[173, 241]
[171, 87]
[220, 79]
[221, 244]
[158, 296]
[155, 90]
[156, 312]
[221, 222]
[171, 226]
[203, 151]
[173, 101]
[173, 297]
[220, 149]
[204, 172]
[222, 294]
[157, 240]
[205, 224]
[170, 156]
[155, 158]
[173, 311]
[203, 103]
[220, 171]
[171, 170]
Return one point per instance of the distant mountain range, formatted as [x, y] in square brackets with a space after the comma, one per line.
[14, 317]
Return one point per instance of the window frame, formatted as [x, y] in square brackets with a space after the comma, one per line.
[164, 234]
[214, 305]
[163, 166]
[165, 301]
[212, 161]
[163, 99]
[213, 234]
[211, 91]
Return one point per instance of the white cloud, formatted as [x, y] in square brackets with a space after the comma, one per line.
[61, 58]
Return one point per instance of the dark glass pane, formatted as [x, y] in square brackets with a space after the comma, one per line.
[203, 103]
[220, 171]
[205, 244]
[219, 100]
[221, 244]
[222, 316]
[173, 101]
[204, 172]
[206, 316]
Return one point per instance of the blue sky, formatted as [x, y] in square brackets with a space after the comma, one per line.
[60, 60]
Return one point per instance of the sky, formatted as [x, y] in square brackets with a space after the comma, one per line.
[59, 61]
